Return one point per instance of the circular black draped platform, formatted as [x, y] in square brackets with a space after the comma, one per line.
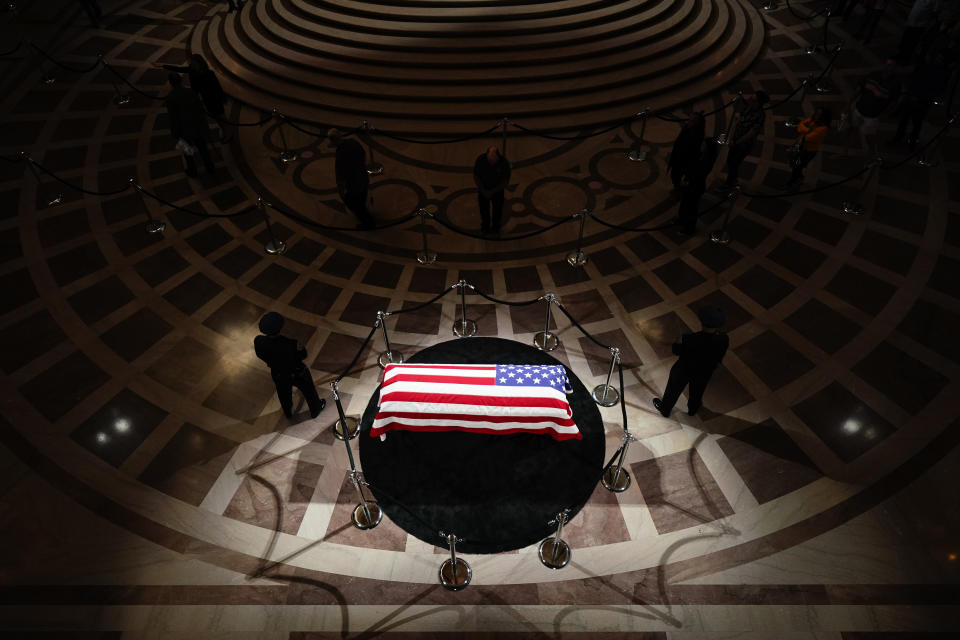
[497, 492]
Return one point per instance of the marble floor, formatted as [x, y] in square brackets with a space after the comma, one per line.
[150, 486]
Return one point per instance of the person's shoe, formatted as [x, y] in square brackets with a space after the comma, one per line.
[323, 403]
[692, 413]
[658, 405]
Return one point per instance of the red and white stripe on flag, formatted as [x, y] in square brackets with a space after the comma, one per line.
[478, 398]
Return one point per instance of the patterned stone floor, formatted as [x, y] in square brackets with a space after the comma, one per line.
[151, 486]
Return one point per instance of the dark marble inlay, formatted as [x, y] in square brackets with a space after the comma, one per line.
[189, 464]
[383, 274]
[228, 198]
[135, 238]
[934, 327]
[341, 264]
[425, 320]
[161, 266]
[185, 365]
[522, 279]
[482, 279]
[823, 326]
[645, 246]
[100, 299]
[747, 232]
[428, 280]
[764, 287]
[337, 352]
[902, 378]
[886, 251]
[846, 425]
[946, 276]
[119, 427]
[774, 361]
[235, 318]
[860, 289]
[609, 261]
[273, 280]
[76, 263]
[797, 257]
[718, 257]
[305, 251]
[193, 293]
[63, 227]
[662, 332]
[635, 293]
[563, 274]
[238, 261]
[244, 390]
[130, 338]
[362, 309]
[678, 275]
[18, 289]
[598, 359]
[316, 297]
[208, 240]
[64, 385]
[821, 226]
[26, 340]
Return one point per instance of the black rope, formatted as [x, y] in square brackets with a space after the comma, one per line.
[503, 238]
[356, 357]
[12, 51]
[582, 330]
[506, 302]
[923, 147]
[293, 215]
[610, 225]
[130, 84]
[811, 16]
[542, 134]
[417, 307]
[199, 214]
[242, 124]
[623, 401]
[12, 160]
[440, 141]
[292, 123]
[823, 187]
[73, 186]
[63, 66]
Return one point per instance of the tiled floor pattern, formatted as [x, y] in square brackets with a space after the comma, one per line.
[132, 393]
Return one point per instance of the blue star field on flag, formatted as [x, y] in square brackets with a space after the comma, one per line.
[532, 375]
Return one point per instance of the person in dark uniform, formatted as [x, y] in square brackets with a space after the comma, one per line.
[698, 168]
[285, 357]
[700, 353]
[204, 82]
[686, 149]
[491, 173]
[744, 135]
[188, 122]
[353, 181]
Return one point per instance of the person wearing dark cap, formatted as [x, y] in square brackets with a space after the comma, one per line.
[700, 353]
[491, 173]
[745, 134]
[285, 357]
[353, 181]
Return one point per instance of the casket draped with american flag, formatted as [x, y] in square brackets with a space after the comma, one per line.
[477, 398]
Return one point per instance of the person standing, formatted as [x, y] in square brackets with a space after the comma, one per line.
[94, 12]
[204, 81]
[698, 169]
[745, 134]
[353, 181]
[285, 357]
[491, 173]
[922, 17]
[188, 125]
[927, 83]
[876, 93]
[812, 132]
[700, 353]
[686, 149]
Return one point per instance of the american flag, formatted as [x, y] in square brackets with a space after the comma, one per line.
[479, 398]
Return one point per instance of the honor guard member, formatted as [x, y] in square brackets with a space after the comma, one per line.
[285, 357]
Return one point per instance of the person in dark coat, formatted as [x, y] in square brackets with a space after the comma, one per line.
[686, 149]
[491, 173]
[285, 357]
[700, 353]
[353, 181]
[927, 83]
[204, 81]
[745, 135]
[698, 169]
[188, 123]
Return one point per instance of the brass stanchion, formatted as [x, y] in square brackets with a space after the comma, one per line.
[374, 168]
[287, 155]
[544, 340]
[813, 48]
[793, 121]
[346, 427]
[368, 513]
[769, 5]
[724, 138]
[463, 328]
[603, 394]
[388, 356]
[722, 236]
[554, 552]
[273, 247]
[455, 573]
[638, 155]
[855, 207]
[426, 256]
[152, 226]
[823, 84]
[58, 197]
[578, 258]
[616, 478]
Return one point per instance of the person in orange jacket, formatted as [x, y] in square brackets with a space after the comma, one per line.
[812, 132]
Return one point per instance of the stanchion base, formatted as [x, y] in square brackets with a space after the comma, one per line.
[48, 79]
[55, 200]
[546, 341]
[426, 258]
[390, 357]
[605, 395]
[823, 88]
[719, 237]
[611, 481]
[853, 208]
[464, 328]
[636, 156]
[155, 226]
[374, 169]
[455, 581]
[923, 162]
[360, 517]
[353, 428]
[554, 554]
[275, 247]
[121, 99]
[769, 6]
[792, 121]
[811, 49]
[577, 259]
[288, 156]
[722, 139]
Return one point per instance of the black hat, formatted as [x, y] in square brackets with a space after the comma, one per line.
[711, 317]
[271, 323]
